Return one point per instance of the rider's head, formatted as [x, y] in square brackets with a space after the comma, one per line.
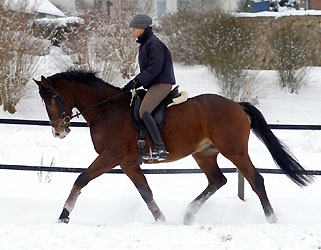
[139, 24]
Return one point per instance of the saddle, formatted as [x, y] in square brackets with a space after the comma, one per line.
[159, 114]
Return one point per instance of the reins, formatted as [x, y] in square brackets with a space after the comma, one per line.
[98, 104]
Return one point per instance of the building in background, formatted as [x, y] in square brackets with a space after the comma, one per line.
[160, 7]
[71, 6]
[67, 6]
[313, 4]
[310, 4]
[166, 6]
[190, 5]
[44, 8]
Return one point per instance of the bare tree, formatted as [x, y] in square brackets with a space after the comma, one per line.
[19, 52]
[147, 7]
[104, 43]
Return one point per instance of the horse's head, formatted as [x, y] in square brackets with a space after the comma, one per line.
[58, 109]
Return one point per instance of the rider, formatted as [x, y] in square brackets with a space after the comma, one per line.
[156, 75]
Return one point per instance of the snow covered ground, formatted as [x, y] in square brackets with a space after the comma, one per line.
[110, 214]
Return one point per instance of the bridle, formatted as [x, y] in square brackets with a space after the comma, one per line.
[66, 118]
[62, 114]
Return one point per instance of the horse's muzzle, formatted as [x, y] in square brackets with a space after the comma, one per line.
[60, 132]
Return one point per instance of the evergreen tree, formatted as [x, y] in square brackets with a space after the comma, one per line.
[244, 6]
[275, 4]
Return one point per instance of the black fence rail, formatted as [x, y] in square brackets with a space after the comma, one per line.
[37, 122]
[145, 171]
[113, 171]
[83, 124]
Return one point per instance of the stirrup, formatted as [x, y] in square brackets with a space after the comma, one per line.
[160, 154]
[156, 154]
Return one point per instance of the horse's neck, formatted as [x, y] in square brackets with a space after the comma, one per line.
[91, 97]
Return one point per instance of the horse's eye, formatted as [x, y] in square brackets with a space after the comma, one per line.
[47, 101]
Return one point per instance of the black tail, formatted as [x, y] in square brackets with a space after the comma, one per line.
[281, 155]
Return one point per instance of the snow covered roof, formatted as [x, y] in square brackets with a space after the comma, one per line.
[47, 7]
[40, 6]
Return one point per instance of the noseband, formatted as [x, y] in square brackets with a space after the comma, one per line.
[62, 114]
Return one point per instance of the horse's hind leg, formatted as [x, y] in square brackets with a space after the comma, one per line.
[243, 162]
[207, 161]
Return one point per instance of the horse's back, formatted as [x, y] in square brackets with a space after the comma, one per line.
[207, 117]
[212, 106]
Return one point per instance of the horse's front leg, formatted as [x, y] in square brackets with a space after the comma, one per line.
[99, 166]
[137, 176]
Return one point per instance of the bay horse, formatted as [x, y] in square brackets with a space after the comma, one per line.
[203, 127]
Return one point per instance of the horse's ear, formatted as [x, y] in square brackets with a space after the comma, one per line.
[44, 82]
[37, 82]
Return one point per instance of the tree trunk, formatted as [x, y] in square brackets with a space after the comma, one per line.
[10, 107]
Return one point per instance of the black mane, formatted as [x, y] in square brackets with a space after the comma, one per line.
[87, 77]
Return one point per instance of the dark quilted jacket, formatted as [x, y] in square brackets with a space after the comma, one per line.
[155, 61]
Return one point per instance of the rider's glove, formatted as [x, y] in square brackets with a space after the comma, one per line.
[130, 85]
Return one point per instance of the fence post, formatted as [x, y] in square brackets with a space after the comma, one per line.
[240, 192]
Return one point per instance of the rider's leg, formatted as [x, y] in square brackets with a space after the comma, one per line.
[152, 98]
[159, 152]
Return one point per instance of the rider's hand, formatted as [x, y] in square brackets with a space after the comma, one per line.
[130, 85]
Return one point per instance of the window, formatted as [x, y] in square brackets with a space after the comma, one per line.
[161, 7]
[80, 4]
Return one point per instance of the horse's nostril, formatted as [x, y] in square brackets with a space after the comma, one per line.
[57, 134]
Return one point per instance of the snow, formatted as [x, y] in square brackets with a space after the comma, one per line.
[287, 12]
[110, 214]
[62, 21]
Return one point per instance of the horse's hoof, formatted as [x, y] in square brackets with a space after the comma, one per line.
[161, 218]
[272, 219]
[64, 216]
[63, 220]
[189, 219]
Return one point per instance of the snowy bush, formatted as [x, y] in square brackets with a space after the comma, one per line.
[104, 43]
[181, 32]
[291, 53]
[19, 55]
[218, 40]
[228, 52]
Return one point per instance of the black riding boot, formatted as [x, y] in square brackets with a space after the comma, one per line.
[159, 152]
